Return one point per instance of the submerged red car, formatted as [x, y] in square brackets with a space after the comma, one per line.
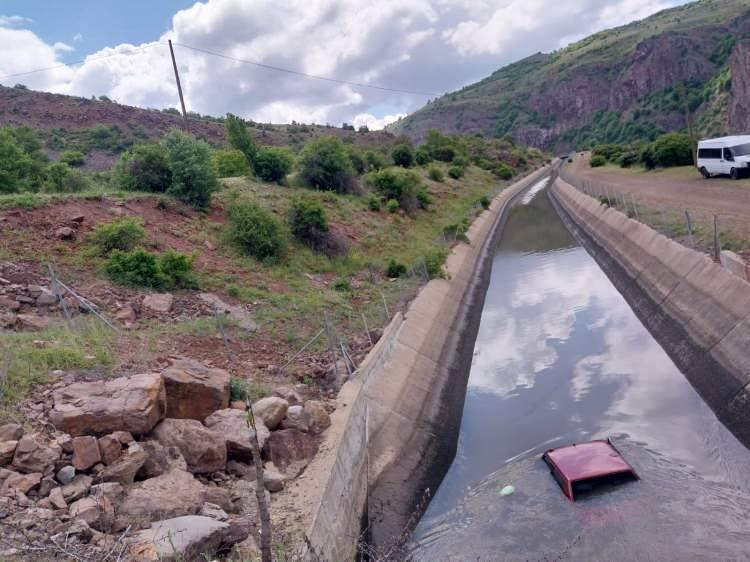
[581, 467]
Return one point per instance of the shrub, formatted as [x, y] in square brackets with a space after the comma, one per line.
[503, 171]
[423, 198]
[308, 221]
[375, 160]
[137, 268]
[395, 269]
[461, 161]
[435, 174]
[193, 176]
[598, 161]
[456, 172]
[14, 163]
[673, 149]
[402, 155]
[121, 234]
[628, 159]
[325, 164]
[647, 157]
[144, 168]
[484, 201]
[457, 231]
[62, 179]
[73, 158]
[238, 137]
[373, 203]
[176, 270]
[422, 156]
[342, 285]
[357, 159]
[230, 163]
[256, 230]
[434, 261]
[397, 184]
[272, 163]
[392, 206]
[610, 152]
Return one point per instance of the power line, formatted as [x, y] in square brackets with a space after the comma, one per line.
[87, 59]
[306, 75]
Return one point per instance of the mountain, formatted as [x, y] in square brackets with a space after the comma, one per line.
[620, 85]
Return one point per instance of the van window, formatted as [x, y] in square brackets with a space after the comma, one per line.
[741, 150]
[728, 156]
[710, 153]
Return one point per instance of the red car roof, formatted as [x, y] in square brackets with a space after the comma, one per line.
[588, 460]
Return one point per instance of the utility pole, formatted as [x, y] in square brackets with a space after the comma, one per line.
[689, 121]
[179, 87]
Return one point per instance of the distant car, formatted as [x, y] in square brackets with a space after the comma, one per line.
[725, 156]
[580, 468]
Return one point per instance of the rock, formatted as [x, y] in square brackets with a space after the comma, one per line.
[85, 452]
[158, 302]
[7, 451]
[65, 233]
[204, 451]
[271, 410]
[319, 418]
[126, 315]
[78, 487]
[45, 486]
[273, 480]
[288, 445]
[195, 391]
[296, 418]
[7, 320]
[7, 303]
[124, 469]
[110, 449]
[172, 494]
[186, 538]
[79, 529]
[34, 455]
[231, 426]
[238, 314]
[134, 404]
[23, 483]
[123, 437]
[238, 405]
[160, 459]
[210, 246]
[241, 469]
[77, 218]
[219, 496]
[65, 475]
[32, 322]
[87, 509]
[46, 298]
[244, 501]
[56, 499]
[288, 394]
[213, 511]
[65, 441]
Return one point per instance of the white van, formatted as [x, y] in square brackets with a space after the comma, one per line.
[726, 155]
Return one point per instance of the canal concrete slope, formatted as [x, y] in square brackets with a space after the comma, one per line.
[395, 428]
[697, 310]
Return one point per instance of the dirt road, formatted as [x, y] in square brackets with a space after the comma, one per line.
[679, 189]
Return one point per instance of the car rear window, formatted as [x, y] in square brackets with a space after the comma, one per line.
[741, 150]
[589, 485]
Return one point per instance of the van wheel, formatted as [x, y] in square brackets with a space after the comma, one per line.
[734, 174]
[705, 173]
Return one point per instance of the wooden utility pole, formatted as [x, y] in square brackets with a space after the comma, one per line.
[179, 87]
[689, 122]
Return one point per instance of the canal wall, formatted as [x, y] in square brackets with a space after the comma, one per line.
[395, 428]
[697, 310]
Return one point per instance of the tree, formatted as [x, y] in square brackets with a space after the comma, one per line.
[193, 176]
[325, 164]
[402, 155]
[239, 138]
[14, 163]
[144, 168]
[673, 149]
[273, 163]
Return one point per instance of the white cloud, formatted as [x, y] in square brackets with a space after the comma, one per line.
[374, 123]
[415, 45]
[78, 37]
[7, 21]
[62, 47]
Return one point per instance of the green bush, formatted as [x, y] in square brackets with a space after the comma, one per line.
[256, 230]
[435, 174]
[140, 268]
[610, 152]
[72, 158]
[308, 221]
[628, 159]
[230, 163]
[397, 184]
[121, 234]
[395, 269]
[62, 179]
[144, 168]
[392, 206]
[422, 156]
[373, 203]
[598, 161]
[375, 160]
[434, 261]
[272, 163]
[484, 201]
[402, 155]
[193, 175]
[673, 149]
[424, 199]
[457, 231]
[441, 147]
[503, 171]
[15, 163]
[357, 159]
[239, 138]
[325, 164]
[176, 270]
[342, 286]
[647, 157]
[456, 172]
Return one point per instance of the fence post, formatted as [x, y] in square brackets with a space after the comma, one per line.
[690, 228]
[57, 289]
[635, 207]
[717, 242]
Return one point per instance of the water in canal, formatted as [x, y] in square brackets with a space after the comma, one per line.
[561, 358]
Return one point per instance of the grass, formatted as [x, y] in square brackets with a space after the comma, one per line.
[28, 358]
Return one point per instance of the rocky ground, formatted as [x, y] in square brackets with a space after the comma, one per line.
[153, 466]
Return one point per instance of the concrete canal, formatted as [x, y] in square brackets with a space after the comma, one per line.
[561, 358]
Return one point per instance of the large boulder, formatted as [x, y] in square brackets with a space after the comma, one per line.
[319, 418]
[134, 404]
[271, 410]
[289, 394]
[186, 538]
[158, 302]
[288, 445]
[296, 418]
[195, 391]
[34, 454]
[10, 432]
[77, 488]
[204, 451]
[23, 483]
[231, 426]
[7, 451]
[124, 469]
[160, 459]
[173, 494]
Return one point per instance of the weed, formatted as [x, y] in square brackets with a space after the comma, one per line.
[122, 234]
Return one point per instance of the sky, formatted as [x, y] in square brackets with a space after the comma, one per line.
[424, 48]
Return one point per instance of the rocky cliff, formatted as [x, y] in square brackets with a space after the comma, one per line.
[620, 85]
